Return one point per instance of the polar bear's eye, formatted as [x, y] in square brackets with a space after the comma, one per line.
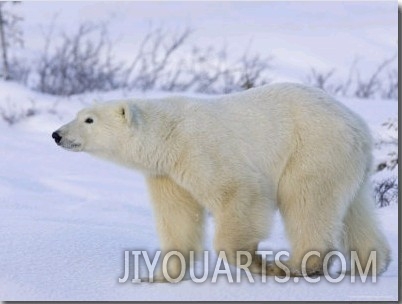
[89, 120]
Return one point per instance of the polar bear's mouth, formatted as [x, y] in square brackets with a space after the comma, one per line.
[71, 146]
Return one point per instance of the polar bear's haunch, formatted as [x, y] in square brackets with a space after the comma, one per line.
[241, 157]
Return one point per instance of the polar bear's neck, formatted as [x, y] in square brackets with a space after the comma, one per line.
[157, 144]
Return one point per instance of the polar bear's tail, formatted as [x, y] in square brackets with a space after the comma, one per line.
[362, 233]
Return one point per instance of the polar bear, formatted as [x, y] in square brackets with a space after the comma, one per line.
[242, 156]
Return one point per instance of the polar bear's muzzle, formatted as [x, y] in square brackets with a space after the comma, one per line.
[62, 141]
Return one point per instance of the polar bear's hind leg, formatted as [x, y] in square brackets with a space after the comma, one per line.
[362, 233]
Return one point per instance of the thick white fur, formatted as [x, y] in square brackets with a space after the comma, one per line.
[241, 157]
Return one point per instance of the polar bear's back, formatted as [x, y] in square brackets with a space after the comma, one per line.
[258, 130]
[262, 127]
[290, 109]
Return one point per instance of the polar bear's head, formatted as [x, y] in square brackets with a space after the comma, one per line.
[100, 130]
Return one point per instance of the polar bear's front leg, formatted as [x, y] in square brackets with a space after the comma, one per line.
[179, 221]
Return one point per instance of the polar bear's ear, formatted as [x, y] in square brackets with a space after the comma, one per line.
[131, 113]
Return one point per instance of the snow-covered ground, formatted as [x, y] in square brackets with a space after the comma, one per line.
[67, 218]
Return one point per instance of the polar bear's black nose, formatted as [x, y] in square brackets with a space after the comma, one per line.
[56, 137]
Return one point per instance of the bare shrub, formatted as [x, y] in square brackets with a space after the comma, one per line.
[154, 57]
[10, 34]
[369, 87]
[163, 63]
[386, 192]
[382, 82]
[79, 62]
[319, 79]
[12, 114]
[20, 70]
[82, 62]
[326, 82]
[250, 71]
[390, 88]
[211, 71]
[388, 140]
[204, 69]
